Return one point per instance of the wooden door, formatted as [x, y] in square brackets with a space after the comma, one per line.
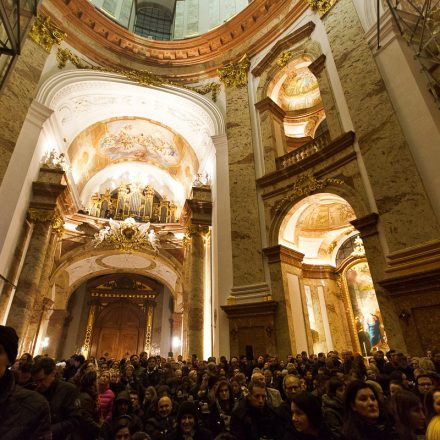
[119, 331]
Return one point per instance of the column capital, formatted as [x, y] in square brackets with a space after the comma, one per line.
[198, 209]
[235, 75]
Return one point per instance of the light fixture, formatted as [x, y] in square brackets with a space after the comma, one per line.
[176, 342]
[45, 342]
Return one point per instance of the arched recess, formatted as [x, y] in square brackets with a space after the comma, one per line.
[330, 303]
[81, 265]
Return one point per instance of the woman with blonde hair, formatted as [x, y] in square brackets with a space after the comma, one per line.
[433, 431]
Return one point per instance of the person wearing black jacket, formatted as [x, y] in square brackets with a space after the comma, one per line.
[24, 414]
[253, 418]
[220, 411]
[63, 398]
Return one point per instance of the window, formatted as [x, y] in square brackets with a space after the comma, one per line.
[346, 249]
[153, 22]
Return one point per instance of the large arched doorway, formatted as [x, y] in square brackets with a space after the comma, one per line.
[328, 288]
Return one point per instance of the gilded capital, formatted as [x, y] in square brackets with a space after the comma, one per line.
[321, 6]
[236, 74]
[196, 230]
[40, 215]
[45, 33]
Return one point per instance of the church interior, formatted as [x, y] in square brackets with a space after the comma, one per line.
[220, 177]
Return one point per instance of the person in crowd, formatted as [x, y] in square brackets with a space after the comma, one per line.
[188, 426]
[273, 395]
[291, 386]
[89, 426]
[424, 385]
[433, 431]
[432, 404]
[395, 386]
[63, 398]
[24, 414]
[408, 416]
[150, 401]
[307, 418]
[333, 406]
[220, 411]
[163, 422]
[152, 375]
[253, 418]
[105, 396]
[364, 419]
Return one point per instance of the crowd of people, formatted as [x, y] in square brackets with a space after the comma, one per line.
[386, 396]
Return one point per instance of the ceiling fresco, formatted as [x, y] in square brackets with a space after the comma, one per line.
[129, 140]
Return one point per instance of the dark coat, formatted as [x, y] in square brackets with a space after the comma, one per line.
[89, 427]
[63, 398]
[199, 434]
[249, 423]
[333, 411]
[158, 427]
[24, 414]
[216, 420]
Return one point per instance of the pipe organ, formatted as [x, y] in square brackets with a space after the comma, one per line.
[142, 203]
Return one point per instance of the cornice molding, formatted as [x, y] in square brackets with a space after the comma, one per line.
[367, 225]
[108, 43]
[250, 309]
[317, 66]
[285, 43]
[271, 106]
[318, 271]
[280, 253]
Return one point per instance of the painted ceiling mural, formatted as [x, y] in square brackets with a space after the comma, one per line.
[126, 139]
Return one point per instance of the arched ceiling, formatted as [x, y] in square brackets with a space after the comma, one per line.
[114, 132]
[317, 226]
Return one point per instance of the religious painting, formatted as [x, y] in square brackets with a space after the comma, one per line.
[368, 324]
[130, 140]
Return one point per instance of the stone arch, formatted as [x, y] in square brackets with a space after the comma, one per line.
[289, 201]
[309, 47]
[67, 275]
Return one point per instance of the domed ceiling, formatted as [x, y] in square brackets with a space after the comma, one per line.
[131, 150]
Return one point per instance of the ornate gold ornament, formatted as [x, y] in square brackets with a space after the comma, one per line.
[127, 235]
[89, 329]
[142, 77]
[40, 215]
[321, 6]
[359, 250]
[58, 224]
[197, 230]
[45, 33]
[284, 58]
[236, 74]
[304, 186]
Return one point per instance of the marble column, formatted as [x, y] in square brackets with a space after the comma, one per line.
[16, 97]
[42, 297]
[54, 331]
[195, 289]
[273, 138]
[334, 124]
[292, 327]
[247, 257]
[8, 290]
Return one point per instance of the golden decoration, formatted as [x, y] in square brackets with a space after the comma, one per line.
[284, 58]
[321, 6]
[40, 215]
[58, 224]
[197, 230]
[149, 329]
[304, 186]
[142, 77]
[89, 329]
[127, 235]
[236, 75]
[45, 33]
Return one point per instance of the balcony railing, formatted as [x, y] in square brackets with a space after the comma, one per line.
[304, 151]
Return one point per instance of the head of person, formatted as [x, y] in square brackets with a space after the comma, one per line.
[164, 406]
[395, 386]
[43, 373]
[134, 360]
[151, 363]
[433, 431]
[306, 413]
[88, 382]
[134, 399]
[431, 403]
[407, 412]
[361, 402]
[268, 377]
[291, 385]
[258, 377]
[123, 403]
[336, 388]
[187, 419]
[121, 430]
[104, 380]
[150, 394]
[257, 394]
[424, 384]
[223, 393]
[8, 348]
[129, 370]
